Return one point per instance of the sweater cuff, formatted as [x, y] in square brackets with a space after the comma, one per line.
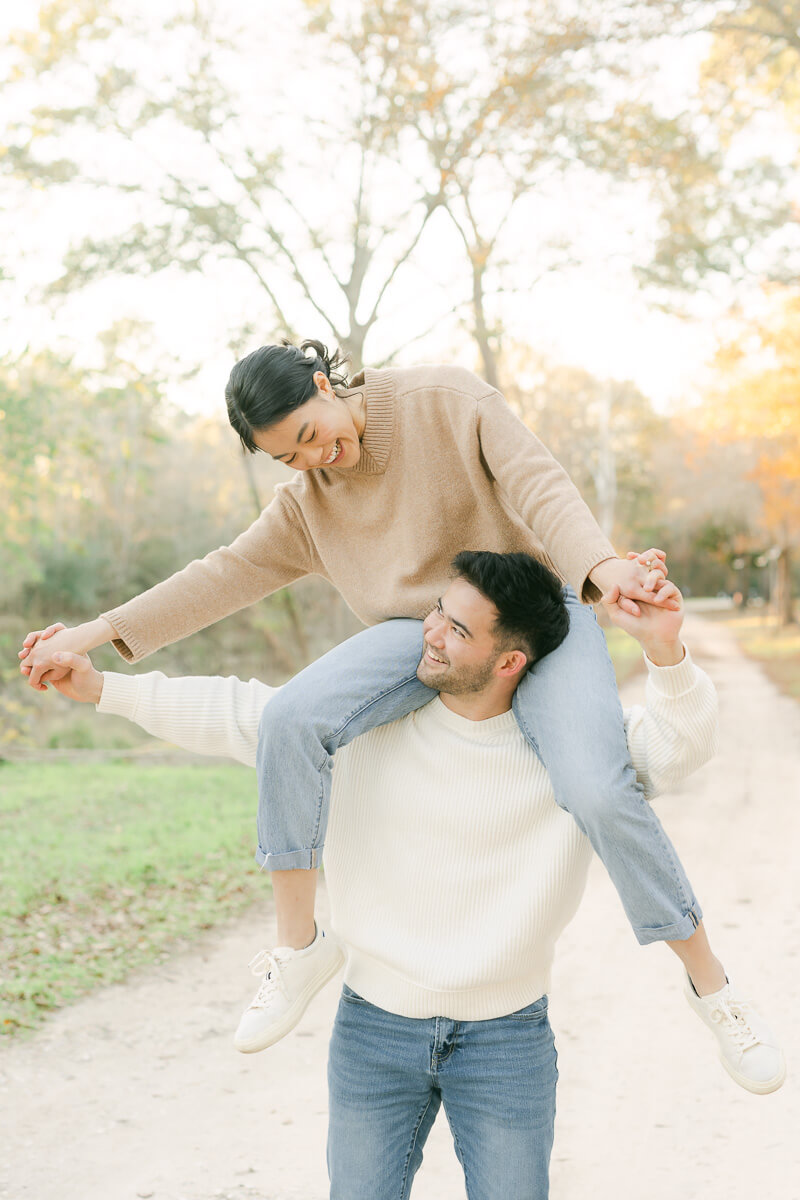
[119, 694]
[587, 591]
[672, 681]
[125, 644]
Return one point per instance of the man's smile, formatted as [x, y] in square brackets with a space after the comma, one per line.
[432, 656]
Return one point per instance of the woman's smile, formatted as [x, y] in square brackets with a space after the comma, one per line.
[320, 433]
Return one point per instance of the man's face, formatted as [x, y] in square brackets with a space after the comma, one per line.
[460, 652]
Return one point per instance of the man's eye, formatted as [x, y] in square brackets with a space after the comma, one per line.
[456, 630]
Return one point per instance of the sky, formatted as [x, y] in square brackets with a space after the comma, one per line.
[591, 314]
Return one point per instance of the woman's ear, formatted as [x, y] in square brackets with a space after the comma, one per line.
[323, 384]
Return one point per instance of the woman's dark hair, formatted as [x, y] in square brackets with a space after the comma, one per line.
[529, 598]
[273, 381]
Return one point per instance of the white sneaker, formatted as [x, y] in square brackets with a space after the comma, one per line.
[291, 980]
[748, 1049]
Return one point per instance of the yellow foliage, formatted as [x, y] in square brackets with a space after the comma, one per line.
[757, 401]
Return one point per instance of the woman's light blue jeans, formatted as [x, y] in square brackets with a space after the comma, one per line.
[388, 1076]
[568, 708]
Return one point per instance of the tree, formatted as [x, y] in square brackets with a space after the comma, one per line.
[199, 177]
[444, 113]
[757, 401]
[730, 214]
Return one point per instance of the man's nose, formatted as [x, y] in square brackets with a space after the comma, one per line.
[434, 631]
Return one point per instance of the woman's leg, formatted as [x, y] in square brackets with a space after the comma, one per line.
[367, 681]
[568, 708]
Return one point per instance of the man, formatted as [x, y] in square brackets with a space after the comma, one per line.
[451, 873]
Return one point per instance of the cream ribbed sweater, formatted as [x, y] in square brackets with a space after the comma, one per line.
[445, 466]
[451, 871]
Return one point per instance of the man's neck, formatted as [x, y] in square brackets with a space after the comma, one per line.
[477, 706]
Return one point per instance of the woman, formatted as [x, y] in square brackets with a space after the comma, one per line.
[396, 473]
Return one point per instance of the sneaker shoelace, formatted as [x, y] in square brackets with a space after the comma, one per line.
[269, 965]
[734, 1014]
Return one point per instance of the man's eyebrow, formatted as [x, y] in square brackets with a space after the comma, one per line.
[300, 432]
[452, 620]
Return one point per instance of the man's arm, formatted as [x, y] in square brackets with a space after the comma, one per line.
[204, 714]
[676, 732]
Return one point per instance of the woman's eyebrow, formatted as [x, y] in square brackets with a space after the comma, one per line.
[303, 428]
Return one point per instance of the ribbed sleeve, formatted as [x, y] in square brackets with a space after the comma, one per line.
[203, 714]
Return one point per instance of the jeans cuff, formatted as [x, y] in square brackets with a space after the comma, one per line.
[291, 860]
[679, 932]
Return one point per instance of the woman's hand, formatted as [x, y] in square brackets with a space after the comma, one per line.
[41, 645]
[639, 577]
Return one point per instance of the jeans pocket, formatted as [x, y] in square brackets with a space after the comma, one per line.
[351, 996]
[532, 1012]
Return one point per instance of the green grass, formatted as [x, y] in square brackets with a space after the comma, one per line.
[103, 867]
[778, 650]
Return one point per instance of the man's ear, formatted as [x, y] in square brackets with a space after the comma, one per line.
[510, 663]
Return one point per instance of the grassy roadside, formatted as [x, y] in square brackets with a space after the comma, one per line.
[778, 650]
[104, 867]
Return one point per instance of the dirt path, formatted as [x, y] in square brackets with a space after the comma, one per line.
[137, 1092]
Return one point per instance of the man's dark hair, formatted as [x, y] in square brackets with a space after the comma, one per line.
[273, 381]
[529, 598]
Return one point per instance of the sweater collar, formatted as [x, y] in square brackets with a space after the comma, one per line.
[379, 391]
[477, 730]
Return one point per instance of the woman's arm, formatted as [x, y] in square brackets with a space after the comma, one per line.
[272, 553]
[539, 489]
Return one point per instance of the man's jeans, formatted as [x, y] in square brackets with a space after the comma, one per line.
[388, 1075]
[569, 711]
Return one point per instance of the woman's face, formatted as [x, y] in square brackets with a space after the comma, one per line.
[323, 432]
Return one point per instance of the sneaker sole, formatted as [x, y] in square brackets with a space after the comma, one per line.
[751, 1085]
[292, 1017]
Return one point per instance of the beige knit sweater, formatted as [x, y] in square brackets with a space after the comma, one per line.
[451, 870]
[445, 466]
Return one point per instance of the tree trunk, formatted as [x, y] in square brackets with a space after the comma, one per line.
[783, 588]
[605, 474]
[481, 331]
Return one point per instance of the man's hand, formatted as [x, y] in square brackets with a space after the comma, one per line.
[640, 577]
[40, 647]
[81, 681]
[657, 629]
